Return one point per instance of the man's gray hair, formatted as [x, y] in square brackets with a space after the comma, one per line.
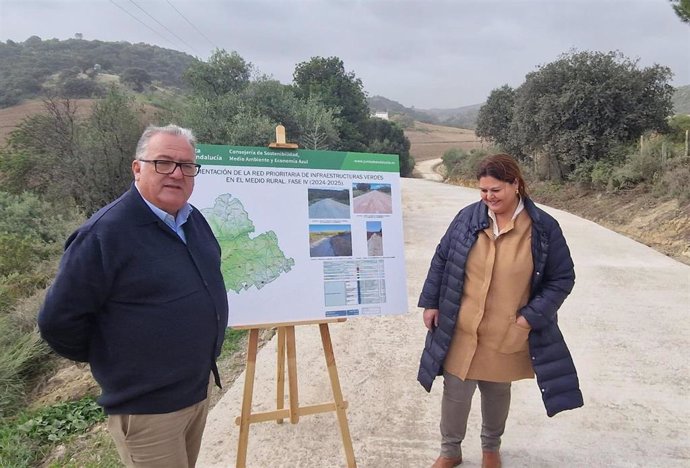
[152, 130]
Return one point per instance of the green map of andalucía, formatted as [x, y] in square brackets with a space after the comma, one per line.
[246, 261]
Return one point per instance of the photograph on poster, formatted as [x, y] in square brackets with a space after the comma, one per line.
[372, 198]
[374, 238]
[329, 203]
[330, 240]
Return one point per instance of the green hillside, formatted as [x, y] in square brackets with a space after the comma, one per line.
[29, 68]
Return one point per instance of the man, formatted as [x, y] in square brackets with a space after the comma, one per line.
[139, 296]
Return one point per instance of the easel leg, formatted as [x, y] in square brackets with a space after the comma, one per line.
[280, 372]
[337, 394]
[292, 374]
[247, 398]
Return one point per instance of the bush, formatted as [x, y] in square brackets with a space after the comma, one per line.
[601, 174]
[81, 88]
[624, 178]
[27, 216]
[32, 232]
[675, 181]
[17, 286]
[18, 254]
[461, 164]
[594, 174]
[679, 124]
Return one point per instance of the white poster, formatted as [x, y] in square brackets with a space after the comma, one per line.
[305, 235]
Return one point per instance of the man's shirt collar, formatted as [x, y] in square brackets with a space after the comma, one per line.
[175, 223]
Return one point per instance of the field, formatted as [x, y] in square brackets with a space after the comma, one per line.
[431, 141]
[10, 117]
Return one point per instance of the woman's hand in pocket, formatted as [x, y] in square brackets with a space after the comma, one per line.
[431, 318]
[522, 322]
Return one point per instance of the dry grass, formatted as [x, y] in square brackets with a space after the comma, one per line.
[431, 141]
[11, 117]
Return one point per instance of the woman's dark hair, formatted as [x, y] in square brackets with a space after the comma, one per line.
[504, 168]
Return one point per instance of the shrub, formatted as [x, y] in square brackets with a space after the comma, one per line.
[32, 232]
[461, 164]
[18, 254]
[601, 174]
[623, 178]
[679, 124]
[26, 215]
[675, 181]
[645, 166]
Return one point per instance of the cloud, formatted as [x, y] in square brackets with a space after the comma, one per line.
[433, 53]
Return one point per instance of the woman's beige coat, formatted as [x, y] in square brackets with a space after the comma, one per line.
[487, 343]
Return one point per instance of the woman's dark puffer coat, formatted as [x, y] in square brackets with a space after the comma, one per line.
[552, 280]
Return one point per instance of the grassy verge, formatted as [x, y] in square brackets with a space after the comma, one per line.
[25, 439]
[73, 435]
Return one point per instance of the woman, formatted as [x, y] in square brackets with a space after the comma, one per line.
[499, 274]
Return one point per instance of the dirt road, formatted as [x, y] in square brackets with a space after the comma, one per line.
[626, 324]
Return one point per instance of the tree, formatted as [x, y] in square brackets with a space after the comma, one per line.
[61, 157]
[39, 152]
[210, 118]
[318, 125]
[679, 126]
[80, 88]
[274, 100]
[108, 140]
[388, 138]
[327, 80]
[225, 108]
[579, 107]
[248, 128]
[33, 41]
[223, 73]
[136, 78]
[682, 9]
[495, 118]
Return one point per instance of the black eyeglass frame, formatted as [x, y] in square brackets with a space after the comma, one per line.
[181, 165]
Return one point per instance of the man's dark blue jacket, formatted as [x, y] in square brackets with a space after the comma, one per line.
[146, 311]
[552, 280]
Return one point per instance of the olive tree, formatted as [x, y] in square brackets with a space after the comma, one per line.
[494, 121]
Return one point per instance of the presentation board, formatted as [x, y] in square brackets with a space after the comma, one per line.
[305, 235]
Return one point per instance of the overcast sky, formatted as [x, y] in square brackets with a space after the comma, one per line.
[425, 54]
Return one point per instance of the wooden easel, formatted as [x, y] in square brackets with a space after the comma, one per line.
[286, 341]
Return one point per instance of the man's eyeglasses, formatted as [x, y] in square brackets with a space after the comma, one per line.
[163, 166]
